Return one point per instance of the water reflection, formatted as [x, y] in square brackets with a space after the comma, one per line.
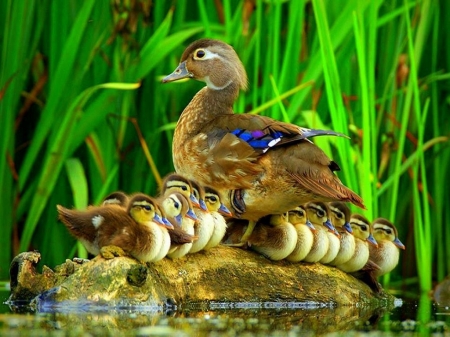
[417, 317]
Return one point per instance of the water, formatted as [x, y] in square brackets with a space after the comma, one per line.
[412, 317]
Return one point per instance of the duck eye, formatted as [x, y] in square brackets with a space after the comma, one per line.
[200, 53]
[147, 207]
[339, 215]
[213, 199]
[320, 213]
[363, 228]
[176, 204]
[184, 188]
[388, 231]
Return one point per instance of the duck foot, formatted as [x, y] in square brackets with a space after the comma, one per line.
[110, 252]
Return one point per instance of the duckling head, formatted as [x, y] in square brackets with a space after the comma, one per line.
[177, 206]
[213, 62]
[340, 214]
[142, 209]
[319, 214]
[177, 183]
[298, 216]
[214, 203]
[361, 228]
[116, 198]
[384, 230]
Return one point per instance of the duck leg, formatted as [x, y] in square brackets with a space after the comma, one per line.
[245, 236]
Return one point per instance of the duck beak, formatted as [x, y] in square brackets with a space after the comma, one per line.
[399, 244]
[167, 223]
[191, 215]
[348, 228]
[372, 240]
[158, 219]
[179, 219]
[224, 210]
[178, 74]
[194, 200]
[310, 225]
[203, 205]
[329, 225]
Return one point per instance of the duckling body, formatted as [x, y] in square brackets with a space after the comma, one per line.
[362, 233]
[316, 212]
[275, 239]
[116, 198]
[186, 220]
[340, 216]
[305, 236]
[204, 226]
[260, 166]
[387, 254]
[136, 229]
[217, 210]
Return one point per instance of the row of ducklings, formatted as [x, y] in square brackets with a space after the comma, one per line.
[327, 233]
[184, 218]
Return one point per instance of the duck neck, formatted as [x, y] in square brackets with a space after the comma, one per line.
[206, 105]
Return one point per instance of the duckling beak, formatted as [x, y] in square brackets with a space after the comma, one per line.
[203, 205]
[178, 219]
[191, 215]
[329, 225]
[158, 219]
[167, 223]
[224, 210]
[178, 74]
[348, 228]
[310, 225]
[372, 240]
[194, 200]
[399, 244]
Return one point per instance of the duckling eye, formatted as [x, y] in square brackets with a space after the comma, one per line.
[147, 207]
[363, 228]
[213, 199]
[388, 231]
[200, 54]
[184, 188]
[339, 215]
[320, 213]
[176, 204]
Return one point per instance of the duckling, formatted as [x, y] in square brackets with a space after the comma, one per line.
[217, 210]
[137, 230]
[258, 165]
[204, 227]
[274, 237]
[316, 213]
[116, 198]
[333, 238]
[363, 237]
[176, 205]
[340, 216]
[387, 254]
[305, 236]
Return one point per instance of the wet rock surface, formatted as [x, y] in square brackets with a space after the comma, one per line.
[223, 276]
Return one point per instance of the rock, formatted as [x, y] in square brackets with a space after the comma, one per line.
[221, 276]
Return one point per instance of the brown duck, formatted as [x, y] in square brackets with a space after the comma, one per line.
[259, 165]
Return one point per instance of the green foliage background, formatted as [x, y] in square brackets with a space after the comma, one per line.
[83, 112]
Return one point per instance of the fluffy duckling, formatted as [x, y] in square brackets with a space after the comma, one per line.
[204, 227]
[274, 237]
[333, 238]
[316, 213]
[305, 236]
[174, 182]
[116, 198]
[363, 237]
[340, 216]
[386, 254]
[217, 210]
[137, 230]
[178, 207]
[261, 165]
